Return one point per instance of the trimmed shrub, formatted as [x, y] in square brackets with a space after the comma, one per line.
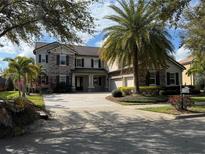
[62, 88]
[117, 93]
[145, 90]
[150, 90]
[176, 101]
[126, 90]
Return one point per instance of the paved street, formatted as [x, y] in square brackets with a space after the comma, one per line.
[87, 123]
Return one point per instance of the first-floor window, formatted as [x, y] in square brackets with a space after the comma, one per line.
[62, 78]
[172, 79]
[152, 78]
[43, 79]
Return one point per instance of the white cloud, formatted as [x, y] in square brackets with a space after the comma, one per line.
[26, 50]
[12, 50]
[194, 3]
[7, 48]
[99, 11]
[99, 43]
[182, 53]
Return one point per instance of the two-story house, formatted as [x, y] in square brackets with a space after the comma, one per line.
[79, 68]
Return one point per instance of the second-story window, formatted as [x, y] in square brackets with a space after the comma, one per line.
[96, 63]
[79, 62]
[62, 59]
[43, 58]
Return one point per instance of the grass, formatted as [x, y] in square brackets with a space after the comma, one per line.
[198, 98]
[138, 99]
[171, 110]
[35, 98]
[143, 99]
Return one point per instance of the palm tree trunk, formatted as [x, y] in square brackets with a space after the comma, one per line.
[19, 88]
[136, 72]
[24, 87]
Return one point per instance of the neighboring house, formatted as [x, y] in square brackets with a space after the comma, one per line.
[2, 83]
[79, 68]
[187, 80]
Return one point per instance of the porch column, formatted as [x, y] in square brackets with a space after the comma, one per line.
[90, 85]
[107, 83]
[73, 82]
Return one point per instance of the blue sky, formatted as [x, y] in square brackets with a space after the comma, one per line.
[98, 11]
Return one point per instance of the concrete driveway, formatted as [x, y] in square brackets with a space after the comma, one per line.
[78, 101]
[89, 124]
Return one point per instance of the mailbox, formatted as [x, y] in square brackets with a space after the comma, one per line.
[185, 90]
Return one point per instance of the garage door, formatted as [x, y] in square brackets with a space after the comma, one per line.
[115, 83]
[129, 81]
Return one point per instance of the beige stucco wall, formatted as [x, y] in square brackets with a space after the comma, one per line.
[173, 69]
[128, 80]
[187, 80]
[113, 67]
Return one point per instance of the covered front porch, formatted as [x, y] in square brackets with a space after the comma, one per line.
[89, 82]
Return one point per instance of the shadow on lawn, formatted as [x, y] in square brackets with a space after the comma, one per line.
[109, 132]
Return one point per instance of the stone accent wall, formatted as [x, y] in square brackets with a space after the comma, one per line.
[55, 70]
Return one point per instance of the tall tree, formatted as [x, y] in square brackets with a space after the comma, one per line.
[194, 33]
[169, 10]
[137, 39]
[23, 19]
[198, 67]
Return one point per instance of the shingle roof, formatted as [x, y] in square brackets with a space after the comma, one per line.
[81, 50]
[87, 51]
[187, 60]
[39, 44]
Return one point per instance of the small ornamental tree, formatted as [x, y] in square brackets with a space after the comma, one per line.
[180, 102]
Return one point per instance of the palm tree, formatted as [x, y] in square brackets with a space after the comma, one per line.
[20, 68]
[39, 71]
[198, 66]
[137, 39]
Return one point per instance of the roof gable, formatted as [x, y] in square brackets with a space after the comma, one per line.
[176, 63]
[80, 50]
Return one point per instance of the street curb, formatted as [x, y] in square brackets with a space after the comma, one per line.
[190, 116]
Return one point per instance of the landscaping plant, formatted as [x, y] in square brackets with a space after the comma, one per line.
[145, 90]
[16, 115]
[138, 39]
[117, 93]
[180, 102]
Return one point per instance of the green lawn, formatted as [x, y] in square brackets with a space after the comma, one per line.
[198, 99]
[35, 98]
[139, 99]
[171, 110]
